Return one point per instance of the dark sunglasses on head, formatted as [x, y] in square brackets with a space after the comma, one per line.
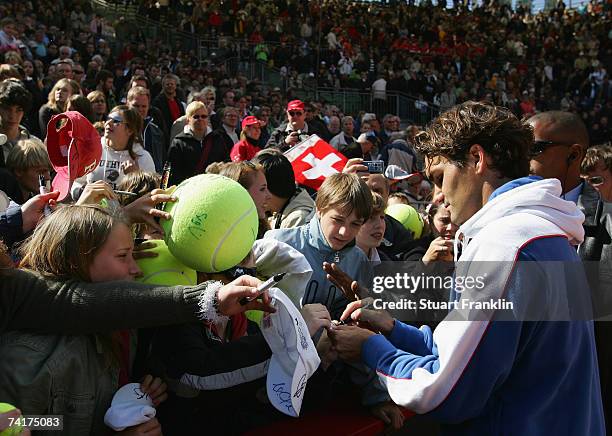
[114, 119]
[295, 113]
[540, 147]
[198, 117]
[595, 180]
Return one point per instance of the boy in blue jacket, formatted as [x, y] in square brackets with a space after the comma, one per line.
[343, 204]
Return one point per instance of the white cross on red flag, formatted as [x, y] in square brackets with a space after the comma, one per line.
[313, 160]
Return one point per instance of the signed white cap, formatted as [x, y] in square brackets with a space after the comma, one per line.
[130, 406]
[294, 356]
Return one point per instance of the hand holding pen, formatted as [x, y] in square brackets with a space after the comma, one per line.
[272, 281]
[42, 187]
[363, 313]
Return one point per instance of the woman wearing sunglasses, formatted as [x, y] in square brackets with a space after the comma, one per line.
[122, 152]
[596, 168]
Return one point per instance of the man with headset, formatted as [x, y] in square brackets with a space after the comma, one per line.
[561, 140]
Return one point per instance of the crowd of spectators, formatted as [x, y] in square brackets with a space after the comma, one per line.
[555, 59]
[155, 105]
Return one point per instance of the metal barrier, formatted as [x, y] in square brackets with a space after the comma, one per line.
[239, 57]
[352, 101]
[148, 28]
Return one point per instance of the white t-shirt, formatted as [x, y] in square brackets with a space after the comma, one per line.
[379, 89]
[110, 169]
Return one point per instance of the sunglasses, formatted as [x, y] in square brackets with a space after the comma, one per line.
[199, 117]
[78, 72]
[595, 180]
[296, 113]
[114, 120]
[540, 147]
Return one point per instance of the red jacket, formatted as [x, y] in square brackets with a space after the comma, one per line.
[243, 150]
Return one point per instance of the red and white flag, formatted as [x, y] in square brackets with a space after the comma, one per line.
[314, 160]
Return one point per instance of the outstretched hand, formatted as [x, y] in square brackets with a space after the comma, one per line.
[34, 209]
[142, 210]
[349, 287]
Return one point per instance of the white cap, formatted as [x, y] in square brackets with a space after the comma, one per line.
[368, 117]
[3, 139]
[395, 172]
[5, 201]
[130, 406]
[366, 137]
[294, 356]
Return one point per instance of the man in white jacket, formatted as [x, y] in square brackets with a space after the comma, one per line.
[495, 371]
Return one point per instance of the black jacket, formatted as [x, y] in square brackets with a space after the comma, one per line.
[277, 138]
[154, 143]
[596, 252]
[186, 155]
[209, 378]
[397, 239]
[161, 102]
[597, 247]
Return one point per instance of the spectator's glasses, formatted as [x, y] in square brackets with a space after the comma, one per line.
[114, 120]
[199, 117]
[296, 113]
[540, 147]
[595, 180]
[78, 71]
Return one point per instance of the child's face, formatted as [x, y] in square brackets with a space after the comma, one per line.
[371, 233]
[114, 261]
[260, 194]
[338, 227]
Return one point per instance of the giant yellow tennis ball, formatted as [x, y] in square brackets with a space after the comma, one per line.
[408, 216]
[214, 223]
[165, 269]
[13, 430]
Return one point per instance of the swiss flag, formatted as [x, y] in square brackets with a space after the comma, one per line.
[313, 160]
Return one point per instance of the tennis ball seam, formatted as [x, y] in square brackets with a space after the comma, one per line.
[167, 270]
[226, 235]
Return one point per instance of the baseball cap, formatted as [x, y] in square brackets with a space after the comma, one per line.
[3, 138]
[250, 121]
[5, 201]
[294, 356]
[367, 137]
[395, 172]
[295, 105]
[74, 149]
[368, 117]
[130, 406]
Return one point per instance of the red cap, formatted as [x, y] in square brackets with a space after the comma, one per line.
[295, 105]
[250, 121]
[74, 150]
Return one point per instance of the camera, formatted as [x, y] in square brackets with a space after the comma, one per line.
[375, 166]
